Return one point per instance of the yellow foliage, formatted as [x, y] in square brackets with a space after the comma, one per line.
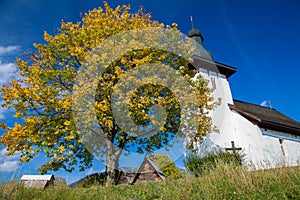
[43, 99]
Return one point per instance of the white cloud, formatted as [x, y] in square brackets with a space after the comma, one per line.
[8, 72]
[8, 49]
[2, 110]
[9, 166]
[3, 154]
[8, 163]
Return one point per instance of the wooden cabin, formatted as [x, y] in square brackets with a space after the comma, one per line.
[149, 172]
[37, 181]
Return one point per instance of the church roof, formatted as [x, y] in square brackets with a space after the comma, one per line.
[267, 117]
[225, 69]
[201, 62]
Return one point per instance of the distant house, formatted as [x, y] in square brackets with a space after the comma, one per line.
[37, 181]
[149, 172]
[60, 182]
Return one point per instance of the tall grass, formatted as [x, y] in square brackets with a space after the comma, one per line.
[10, 190]
[200, 165]
[226, 181]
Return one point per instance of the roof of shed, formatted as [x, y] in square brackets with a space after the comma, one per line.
[155, 167]
[37, 177]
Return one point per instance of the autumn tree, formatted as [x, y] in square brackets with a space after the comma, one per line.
[64, 99]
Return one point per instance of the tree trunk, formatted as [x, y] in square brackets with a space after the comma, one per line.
[112, 164]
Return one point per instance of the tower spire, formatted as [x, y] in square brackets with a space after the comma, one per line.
[195, 33]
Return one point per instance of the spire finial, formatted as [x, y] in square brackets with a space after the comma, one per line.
[195, 33]
[192, 23]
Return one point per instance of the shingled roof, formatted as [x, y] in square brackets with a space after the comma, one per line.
[266, 117]
[149, 172]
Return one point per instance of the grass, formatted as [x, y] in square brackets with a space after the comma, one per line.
[200, 165]
[227, 181]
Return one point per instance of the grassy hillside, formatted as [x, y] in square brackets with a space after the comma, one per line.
[226, 182]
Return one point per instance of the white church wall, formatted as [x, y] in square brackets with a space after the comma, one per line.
[261, 152]
[262, 148]
[220, 91]
[289, 145]
[221, 115]
[293, 152]
[221, 139]
[219, 86]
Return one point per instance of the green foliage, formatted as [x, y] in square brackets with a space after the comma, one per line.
[168, 167]
[90, 180]
[226, 182]
[200, 165]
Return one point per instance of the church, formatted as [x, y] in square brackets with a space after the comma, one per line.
[266, 137]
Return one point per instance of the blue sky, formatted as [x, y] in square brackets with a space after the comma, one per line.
[259, 38]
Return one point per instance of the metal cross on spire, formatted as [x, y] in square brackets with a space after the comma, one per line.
[192, 23]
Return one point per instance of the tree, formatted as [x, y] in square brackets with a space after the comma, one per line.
[51, 120]
[167, 166]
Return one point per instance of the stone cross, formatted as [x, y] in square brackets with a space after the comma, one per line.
[233, 148]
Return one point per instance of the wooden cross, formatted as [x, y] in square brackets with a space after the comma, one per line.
[233, 148]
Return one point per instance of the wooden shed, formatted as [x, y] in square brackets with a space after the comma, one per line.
[126, 177]
[149, 172]
[37, 181]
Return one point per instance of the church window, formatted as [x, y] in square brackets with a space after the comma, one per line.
[282, 146]
[213, 83]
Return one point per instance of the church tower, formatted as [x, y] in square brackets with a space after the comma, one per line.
[267, 138]
[217, 74]
[196, 34]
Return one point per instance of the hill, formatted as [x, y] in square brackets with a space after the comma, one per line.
[225, 182]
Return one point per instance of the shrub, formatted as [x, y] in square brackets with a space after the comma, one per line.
[200, 165]
[167, 166]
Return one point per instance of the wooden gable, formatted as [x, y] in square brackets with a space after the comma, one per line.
[149, 172]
